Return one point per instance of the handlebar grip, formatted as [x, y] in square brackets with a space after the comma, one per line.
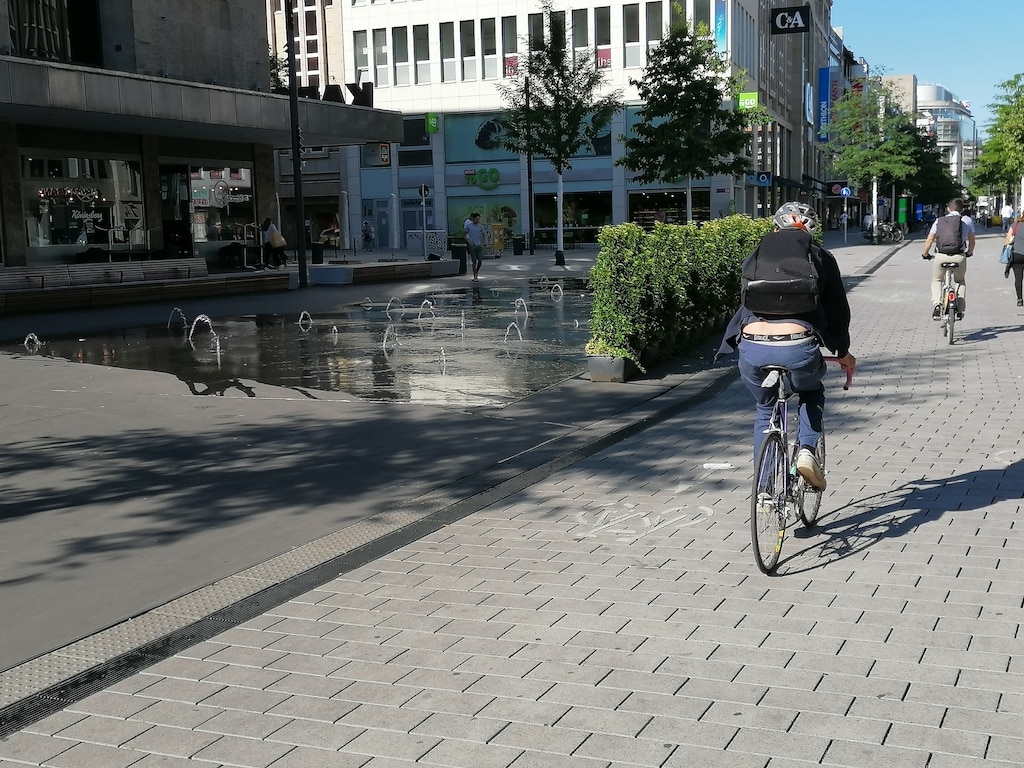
[849, 373]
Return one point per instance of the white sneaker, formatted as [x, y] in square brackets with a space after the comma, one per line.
[809, 469]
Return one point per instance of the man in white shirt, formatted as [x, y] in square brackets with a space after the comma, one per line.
[1006, 212]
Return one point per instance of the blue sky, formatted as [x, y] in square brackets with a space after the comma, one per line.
[968, 47]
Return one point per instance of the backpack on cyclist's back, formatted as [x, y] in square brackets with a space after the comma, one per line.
[779, 277]
[949, 235]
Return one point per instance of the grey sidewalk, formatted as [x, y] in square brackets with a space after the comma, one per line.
[612, 615]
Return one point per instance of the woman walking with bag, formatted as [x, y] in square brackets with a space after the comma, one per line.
[1015, 245]
[273, 245]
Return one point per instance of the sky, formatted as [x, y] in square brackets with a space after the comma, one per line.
[967, 47]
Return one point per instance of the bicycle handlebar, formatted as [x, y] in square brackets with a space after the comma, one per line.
[849, 373]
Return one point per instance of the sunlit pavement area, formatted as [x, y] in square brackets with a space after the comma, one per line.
[565, 581]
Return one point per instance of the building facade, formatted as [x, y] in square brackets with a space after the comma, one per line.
[950, 120]
[139, 125]
[439, 64]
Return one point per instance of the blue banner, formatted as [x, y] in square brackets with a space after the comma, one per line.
[824, 102]
[721, 26]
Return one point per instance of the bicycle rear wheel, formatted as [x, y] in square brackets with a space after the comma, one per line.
[768, 502]
[808, 498]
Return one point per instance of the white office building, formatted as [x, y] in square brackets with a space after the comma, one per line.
[438, 64]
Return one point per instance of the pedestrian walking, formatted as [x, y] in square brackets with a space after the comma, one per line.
[475, 242]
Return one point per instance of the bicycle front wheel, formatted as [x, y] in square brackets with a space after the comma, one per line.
[768, 502]
[808, 498]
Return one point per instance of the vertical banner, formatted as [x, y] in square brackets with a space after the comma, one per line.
[721, 26]
[824, 102]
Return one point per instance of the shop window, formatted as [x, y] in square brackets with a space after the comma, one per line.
[76, 202]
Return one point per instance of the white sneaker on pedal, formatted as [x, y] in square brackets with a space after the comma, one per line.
[809, 468]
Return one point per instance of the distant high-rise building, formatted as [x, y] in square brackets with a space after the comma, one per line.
[950, 120]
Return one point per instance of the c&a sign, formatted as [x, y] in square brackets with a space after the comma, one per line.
[789, 21]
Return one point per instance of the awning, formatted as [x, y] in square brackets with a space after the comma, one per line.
[63, 95]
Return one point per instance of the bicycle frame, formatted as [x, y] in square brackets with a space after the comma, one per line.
[949, 305]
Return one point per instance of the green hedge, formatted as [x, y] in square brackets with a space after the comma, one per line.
[653, 291]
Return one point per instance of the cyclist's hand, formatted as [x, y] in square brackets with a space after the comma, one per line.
[848, 363]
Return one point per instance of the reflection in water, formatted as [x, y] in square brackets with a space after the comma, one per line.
[464, 347]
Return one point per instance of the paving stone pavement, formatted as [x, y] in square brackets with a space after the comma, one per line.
[612, 615]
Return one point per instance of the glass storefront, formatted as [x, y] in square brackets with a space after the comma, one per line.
[204, 208]
[76, 202]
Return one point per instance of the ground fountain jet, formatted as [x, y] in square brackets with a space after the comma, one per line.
[32, 343]
[177, 312]
[305, 321]
[521, 302]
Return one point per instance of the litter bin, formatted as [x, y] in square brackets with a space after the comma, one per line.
[460, 252]
[317, 249]
[518, 245]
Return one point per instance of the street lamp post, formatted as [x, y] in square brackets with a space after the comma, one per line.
[293, 103]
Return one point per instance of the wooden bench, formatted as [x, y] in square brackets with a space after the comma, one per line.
[372, 273]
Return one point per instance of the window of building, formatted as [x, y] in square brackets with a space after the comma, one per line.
[449, 71]
[509, 46]
[415, 146]
[702, 14]
[380, 56]
[654, 24]
[467, 42]
[580, 32]
[558, 30]
[361, 52]
[76, 201]
[489, 44]
[400, 54]
[603, 36]
[632, 52]
[421, 52]
[535, 30]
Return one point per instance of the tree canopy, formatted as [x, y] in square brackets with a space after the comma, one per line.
[1001, 163]
[554, 107]
[688, 124]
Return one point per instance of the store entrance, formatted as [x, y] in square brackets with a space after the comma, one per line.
[174, 207]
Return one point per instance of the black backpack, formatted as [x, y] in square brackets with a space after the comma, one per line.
[779, 277]
[949, 235]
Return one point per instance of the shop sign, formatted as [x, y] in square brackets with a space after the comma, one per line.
[201, 196]
[84, 194]
[485, 178]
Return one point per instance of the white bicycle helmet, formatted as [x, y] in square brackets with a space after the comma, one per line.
[796, 216]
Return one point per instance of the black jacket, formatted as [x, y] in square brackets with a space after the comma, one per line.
[831, 320]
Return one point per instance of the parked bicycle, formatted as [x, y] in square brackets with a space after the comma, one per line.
[780, 495]
[950, 308]
[888, 232]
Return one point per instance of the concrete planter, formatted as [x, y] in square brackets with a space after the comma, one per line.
[609, 368]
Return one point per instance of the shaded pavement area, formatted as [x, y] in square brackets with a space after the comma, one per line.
[566, 581]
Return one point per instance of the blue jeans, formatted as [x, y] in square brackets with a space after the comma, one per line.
[806, 373]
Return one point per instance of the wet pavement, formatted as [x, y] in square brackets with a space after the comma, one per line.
[570, 580]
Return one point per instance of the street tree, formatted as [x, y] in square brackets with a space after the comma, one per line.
[554, 106]
[688, 125]
[1001, 162]
[871, 140]
[931, 182]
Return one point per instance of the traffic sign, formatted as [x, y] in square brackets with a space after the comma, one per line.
[845, 191]
[424, 191]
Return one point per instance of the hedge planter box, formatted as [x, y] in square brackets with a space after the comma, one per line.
[608, 368]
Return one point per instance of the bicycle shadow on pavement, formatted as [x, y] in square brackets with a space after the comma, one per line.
[986, 334]
[892, 514]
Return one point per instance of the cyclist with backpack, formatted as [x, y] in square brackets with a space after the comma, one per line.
[953, 237]
[793, 303]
